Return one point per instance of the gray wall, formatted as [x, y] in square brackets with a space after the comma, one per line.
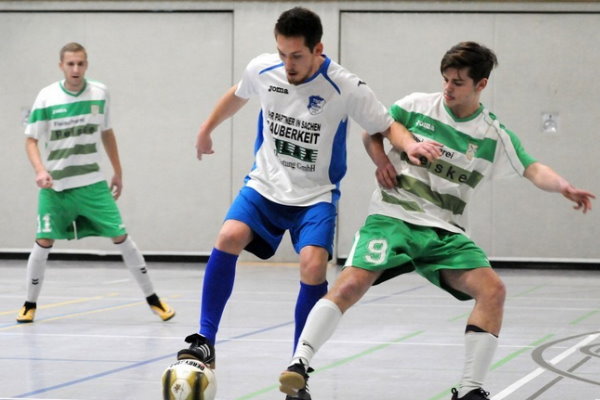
[167, 69]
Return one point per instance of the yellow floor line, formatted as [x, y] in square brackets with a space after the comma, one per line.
[63, 303]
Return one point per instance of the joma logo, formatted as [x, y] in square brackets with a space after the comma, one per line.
[278, 89]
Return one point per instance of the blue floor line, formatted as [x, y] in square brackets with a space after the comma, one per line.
[138, 364]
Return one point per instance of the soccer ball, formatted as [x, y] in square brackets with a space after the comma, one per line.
[189, 380]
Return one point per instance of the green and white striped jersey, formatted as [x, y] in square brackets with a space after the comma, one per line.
[69, 125]
[475, 148]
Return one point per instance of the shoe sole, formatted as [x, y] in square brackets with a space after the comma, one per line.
[168, 318]
[291, 383]
[184, 356]
[24, 321]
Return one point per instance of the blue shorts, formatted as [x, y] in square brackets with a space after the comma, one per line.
[309, 226]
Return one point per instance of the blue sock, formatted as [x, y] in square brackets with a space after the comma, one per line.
[307, 298]
[216, 289]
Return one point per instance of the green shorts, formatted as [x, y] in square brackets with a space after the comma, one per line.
[79, 212]
[396, 247]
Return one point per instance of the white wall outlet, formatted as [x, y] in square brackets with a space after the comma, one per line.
[550, 122]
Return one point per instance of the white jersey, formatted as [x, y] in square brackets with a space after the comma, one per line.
[69, 125]
[475, 148]
[301, 141]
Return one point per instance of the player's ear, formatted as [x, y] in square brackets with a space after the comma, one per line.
[481, 84]
[318, 49]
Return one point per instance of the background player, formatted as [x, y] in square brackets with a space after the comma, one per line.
[71, 117]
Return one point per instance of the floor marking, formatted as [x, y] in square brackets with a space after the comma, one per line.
[62, 303]
[497, 364]
[90, 377]
[135, 365]
[553, 382]
[523, 293]
[584, 317]
[537, 356]
[77, 314]
[71, 315]
[537, 372]
[336, 363]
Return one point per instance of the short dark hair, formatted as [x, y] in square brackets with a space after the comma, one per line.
[479, 59]
[300, 22]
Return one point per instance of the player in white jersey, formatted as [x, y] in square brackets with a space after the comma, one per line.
[71, 118]
[416, 217]
[300, 157]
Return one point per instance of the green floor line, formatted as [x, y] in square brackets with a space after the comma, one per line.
[516, 295]
[584, 317]
[533, 289]
[498, 364]
[337, 363]
[517, 353]
[460, 316]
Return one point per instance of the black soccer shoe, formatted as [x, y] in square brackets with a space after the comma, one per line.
[200, 349]
[294, 382]
[475, 394]
[303, 394]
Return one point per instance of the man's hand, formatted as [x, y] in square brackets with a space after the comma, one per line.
[116, 186]
[43, 179]
[428, 149]
[581, 197]
[386, 174]
[203, 145]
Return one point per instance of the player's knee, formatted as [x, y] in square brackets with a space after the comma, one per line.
[46, 243]
[313, 272]
[495, 292]
[232, 240]
[119, 239]
[346, 293]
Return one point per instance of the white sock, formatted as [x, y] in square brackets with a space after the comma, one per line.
[136, 264]
[479, 352]
[36, 267]
[320, 325]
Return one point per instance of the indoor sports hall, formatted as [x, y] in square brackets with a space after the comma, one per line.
[167, 63]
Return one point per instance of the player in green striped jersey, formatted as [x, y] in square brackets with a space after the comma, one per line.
[416, 217]
[71, 118]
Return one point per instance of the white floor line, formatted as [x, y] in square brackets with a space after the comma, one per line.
[534, 374]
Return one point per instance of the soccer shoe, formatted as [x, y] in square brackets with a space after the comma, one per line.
[160, 308]
[26, 313]
[200, 349]
[303, 394]
[294, 382]
[475, 394]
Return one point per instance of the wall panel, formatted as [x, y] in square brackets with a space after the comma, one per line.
[164, 70]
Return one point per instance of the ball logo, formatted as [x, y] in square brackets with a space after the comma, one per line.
[189, 380]
[180, 391]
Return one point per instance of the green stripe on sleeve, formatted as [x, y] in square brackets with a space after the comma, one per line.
[524, 157]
